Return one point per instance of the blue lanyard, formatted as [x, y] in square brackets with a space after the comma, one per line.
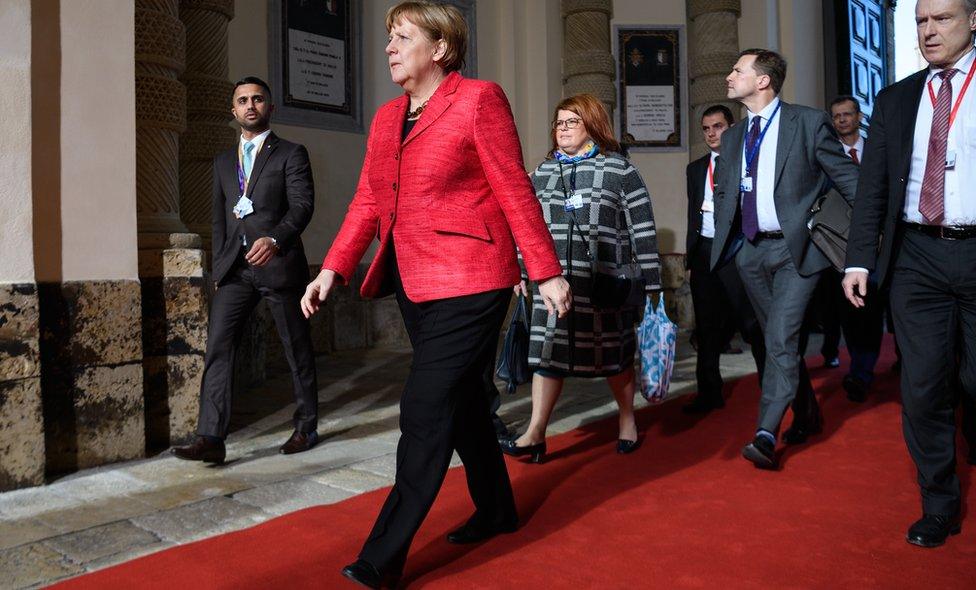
[755, 149]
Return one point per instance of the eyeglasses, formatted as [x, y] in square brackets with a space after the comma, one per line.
[568, 123]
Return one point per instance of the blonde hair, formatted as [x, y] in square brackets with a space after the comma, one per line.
[438, 22]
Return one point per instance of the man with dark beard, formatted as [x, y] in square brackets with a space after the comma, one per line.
[263, 198]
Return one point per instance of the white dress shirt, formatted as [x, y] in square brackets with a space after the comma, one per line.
[766, 172]
[858, 145]
[708, 202]
[960, 203]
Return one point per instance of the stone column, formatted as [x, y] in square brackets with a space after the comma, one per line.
[713, 47]
[207, 108]
[171, 261]
[588, 64]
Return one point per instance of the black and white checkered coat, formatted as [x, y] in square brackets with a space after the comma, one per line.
[618, 225]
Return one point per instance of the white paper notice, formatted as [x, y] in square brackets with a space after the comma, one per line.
[316, 68]
[650, 112]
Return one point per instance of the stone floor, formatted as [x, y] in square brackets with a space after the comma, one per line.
[99, 517]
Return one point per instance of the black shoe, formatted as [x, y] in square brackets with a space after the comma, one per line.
[831, 362]
[202, 449]
[537, 451]
[762, 452]
[933, 529]
[475, 531]
[364, 573]
[799, 431]
[703, 404]
[625, 447]
[299, 442]
[856, 388]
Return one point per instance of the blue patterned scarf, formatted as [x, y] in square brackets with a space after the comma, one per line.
[589, 150]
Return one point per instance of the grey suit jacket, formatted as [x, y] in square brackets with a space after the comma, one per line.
[809, 161]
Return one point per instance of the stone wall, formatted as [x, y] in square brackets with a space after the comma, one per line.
[91, 356]
[21, 418]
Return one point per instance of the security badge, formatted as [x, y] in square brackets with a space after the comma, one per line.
[574, 202]
[950, 159]
[243, 208]
[746, 184]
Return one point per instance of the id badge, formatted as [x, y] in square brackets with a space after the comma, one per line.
[244, 207]
[708, 207]
[950, 159]
[574, 202]
[746, 184]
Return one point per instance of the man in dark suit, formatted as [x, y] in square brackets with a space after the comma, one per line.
[774, 166]
[718, 296]
[915, 195]
[263, 198]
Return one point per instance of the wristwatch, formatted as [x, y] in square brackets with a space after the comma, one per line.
[274, 243]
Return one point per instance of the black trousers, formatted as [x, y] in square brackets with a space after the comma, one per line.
[720, 300]
[443, 408]
[933, 301]
[229, 311]
[829, 305]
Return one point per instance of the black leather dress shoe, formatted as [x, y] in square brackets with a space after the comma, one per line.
[299, 442]
[364, 573]
[932, 530]
[856, 388]
[474, 531]
[703, 404]
[762, 452]
[625, 447]
[798, 432]
[202, 449]
[536, 451]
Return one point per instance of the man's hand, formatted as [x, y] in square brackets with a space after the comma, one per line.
[856, 287]
[317, 291]
[520, 288]
[556, 295]
[261, 252]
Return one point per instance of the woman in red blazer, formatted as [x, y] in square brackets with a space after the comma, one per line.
[444, 189]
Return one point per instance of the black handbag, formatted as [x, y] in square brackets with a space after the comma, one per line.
[829, 225]
[513, 362]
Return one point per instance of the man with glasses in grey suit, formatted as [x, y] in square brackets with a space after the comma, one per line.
[774, 165]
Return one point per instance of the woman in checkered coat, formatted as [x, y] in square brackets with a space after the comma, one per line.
[599, 213]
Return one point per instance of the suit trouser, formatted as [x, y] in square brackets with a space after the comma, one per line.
[863, 331]
[718, 297]
[779, 296]
[229, 312]
[829, 304]
[444, 407]
[933, 301]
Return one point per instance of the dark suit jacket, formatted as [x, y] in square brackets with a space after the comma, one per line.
[808, 157]
[697, 173]
[884, 175]
[283, 194]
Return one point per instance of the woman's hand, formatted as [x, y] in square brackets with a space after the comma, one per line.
[520, 288]
[317, 291]
[556, 295]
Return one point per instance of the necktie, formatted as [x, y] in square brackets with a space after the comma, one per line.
[931, 203]
[248, 158]
[853, 154]
[750, 215]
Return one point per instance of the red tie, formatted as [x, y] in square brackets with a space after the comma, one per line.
[931, 203]
[853, 154]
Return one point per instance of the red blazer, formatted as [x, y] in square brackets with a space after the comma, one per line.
[452, 197]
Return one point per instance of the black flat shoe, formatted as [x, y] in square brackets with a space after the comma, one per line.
[537, 451]
[473, 532]
[365, 574]
[625, 447]
[762, 452]
[932, 530]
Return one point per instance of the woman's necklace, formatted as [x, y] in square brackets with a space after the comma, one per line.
[416, 112]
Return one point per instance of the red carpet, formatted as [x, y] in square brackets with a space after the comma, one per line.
[684, 511]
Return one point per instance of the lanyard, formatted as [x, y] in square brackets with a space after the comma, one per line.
[572, 179]
[241, 179]
[711, 177]
[755, 149]
[962, 93]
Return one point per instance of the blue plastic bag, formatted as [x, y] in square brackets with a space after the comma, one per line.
[656, 340]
